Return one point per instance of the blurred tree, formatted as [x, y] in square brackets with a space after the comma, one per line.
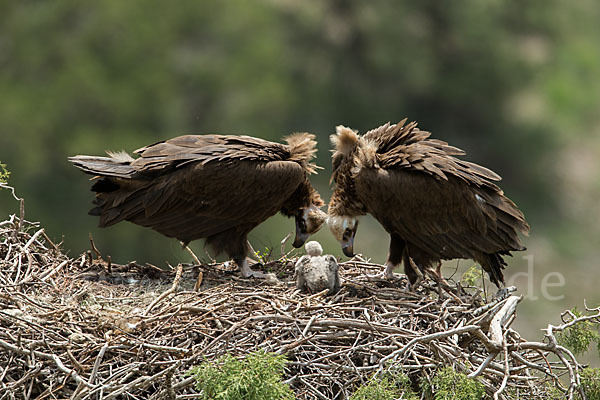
[503, 80]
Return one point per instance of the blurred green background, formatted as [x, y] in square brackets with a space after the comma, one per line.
[514, 83]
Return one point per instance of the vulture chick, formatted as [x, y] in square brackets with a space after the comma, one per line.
[434, 206]
[315, 272]
[216, 187]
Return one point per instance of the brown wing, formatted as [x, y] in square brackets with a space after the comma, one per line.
[183, 150]
[201, 200]
[447, 218]
[196, 186]
[405, 146]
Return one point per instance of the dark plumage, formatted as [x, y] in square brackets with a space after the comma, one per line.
[434, 206]
[209, 186]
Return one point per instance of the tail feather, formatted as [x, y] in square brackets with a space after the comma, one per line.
[493, 264]
[116, 165]
[116, 206]
[117, 195]
[104, 185]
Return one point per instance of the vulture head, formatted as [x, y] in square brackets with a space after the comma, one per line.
[344, 230]
[308, 221]
[345, 207]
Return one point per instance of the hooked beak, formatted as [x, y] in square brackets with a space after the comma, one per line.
[300, 239]
[348, 247]
[301, 234]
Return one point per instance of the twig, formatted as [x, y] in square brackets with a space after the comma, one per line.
[50, 274]
[52, 357]
[166, 293]
[97, 363]
[98, 255]
[498, 392]
[283, 242]
[500, 318]
[33, 238]
[131, 333]
[194, 256]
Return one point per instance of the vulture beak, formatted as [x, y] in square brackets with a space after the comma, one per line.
[348, 247]
[347, 241]
[300, 239]
[301, 234]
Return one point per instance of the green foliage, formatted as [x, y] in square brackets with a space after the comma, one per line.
[448, 384]
[590, 381]
[470, 277]
[263, 256]
[548, 392]
[4, 174]
[388, 387]
[552, 393]
[579, 336]
[256, 377]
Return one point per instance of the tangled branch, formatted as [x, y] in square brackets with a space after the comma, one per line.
[82, 328]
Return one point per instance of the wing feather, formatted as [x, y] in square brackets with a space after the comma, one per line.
[443, 218]
[204, 200]
[183, 150]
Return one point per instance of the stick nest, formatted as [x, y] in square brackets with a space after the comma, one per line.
[85, 328]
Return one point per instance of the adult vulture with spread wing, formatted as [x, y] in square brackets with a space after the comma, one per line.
[216, 187]
[434, 206]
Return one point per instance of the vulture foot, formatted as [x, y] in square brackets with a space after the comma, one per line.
[248, 272]
[443, 285]
[387, 274]
[412, 287]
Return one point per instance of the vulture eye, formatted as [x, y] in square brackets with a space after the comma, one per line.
[347, 234]
[302, 225]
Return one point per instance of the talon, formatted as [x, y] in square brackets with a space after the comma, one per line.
[412, 287]
[248, 272]
[387, 277]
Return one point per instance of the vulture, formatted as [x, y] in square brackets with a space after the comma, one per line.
[217, 187]
[434, 205]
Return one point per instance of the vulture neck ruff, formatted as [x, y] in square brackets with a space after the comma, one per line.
[351, 153]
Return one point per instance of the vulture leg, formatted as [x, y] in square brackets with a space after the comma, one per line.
[388, 272]
[442, 283]
[437, 275]
[233, 242]
[397, 246]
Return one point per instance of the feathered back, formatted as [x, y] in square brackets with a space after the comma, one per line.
[162, 157]
[182, 150]
[404, 145]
